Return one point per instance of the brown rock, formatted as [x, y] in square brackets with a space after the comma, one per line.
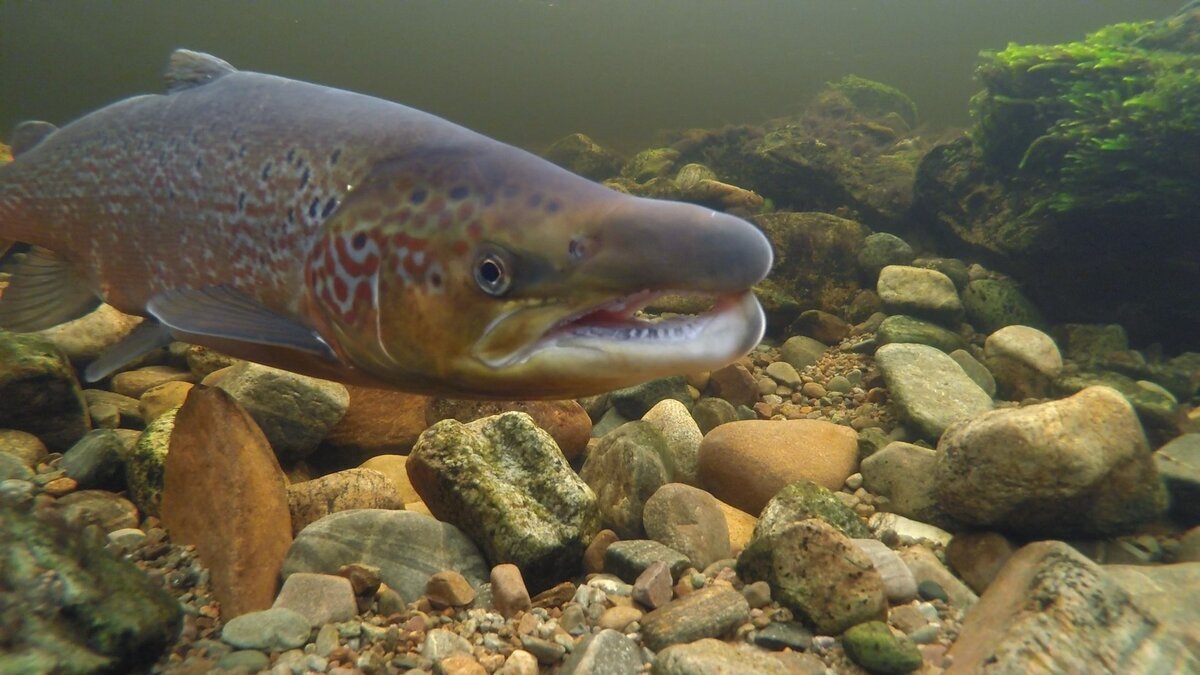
[162, 397]
[740, 524]
[395, 467]
[734, 384]
[110, 511]
[1052, 609]
[509, 594]
[822, 326]
[707, 613]
[566, 421]
[134, 383]
[978, 557]
[378, 422]
[461, 664]
[312, 500]
[24, 446]
[225, 493]
[652, 588]
[320, 598]
[364, 579]
[745, 463]
[449, 589]
[593, 557]
[618, 618]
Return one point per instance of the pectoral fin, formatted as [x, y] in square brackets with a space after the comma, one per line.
[38, 290]
[224, 313]
[148, 336]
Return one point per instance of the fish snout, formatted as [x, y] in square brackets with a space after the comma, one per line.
[663, 245]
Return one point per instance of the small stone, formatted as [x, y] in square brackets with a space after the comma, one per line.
[395, 468]
[127, 538]
[783, 373]
[509, 594]
[134, 383]
[715, 657]
[977, 557]
[390, 602]
[441, 644]
[758, 594]
[60, 487]
[593, 557]
[377, 422]
[39, 393]
[652, 588]
[734, 384]
[547, 652]
[461, 664]
[605, 652]
[634, 402]
[711, 412]
[109, 511]
[322, 598]
[708, 612]
[619, 617]
[311, 500]
[926, 567]
[128, 412]
[682, 435]
[566, 421]
[784, 635]
[813, 390]
[268, 630]
[898, 580]
[923, 293]
[364, 579]
[1025, 362]
[244, 660]
[160, 398]
[12, 468]
[95, 460]
[520, 662]
[801, 351]
[932, 590]
[24, 446]
[624, 468]
[929, 389]
[688, 520]
[629, 559]
[873, 646]
[449, 589]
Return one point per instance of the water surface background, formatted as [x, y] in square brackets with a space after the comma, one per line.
[529, 71]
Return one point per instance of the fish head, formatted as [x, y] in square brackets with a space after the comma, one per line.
[499, 275]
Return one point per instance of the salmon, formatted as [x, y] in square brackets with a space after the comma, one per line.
[356, 239]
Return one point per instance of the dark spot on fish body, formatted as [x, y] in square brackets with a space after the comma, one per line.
[333, 157]
[291, 215]
[199, 162]
[266, 171]
[329, 207]
[435, 279]
[459, 192]
[241, 201]
[291, 155]
[417, 197]
[359, 241]
[553, 206]
[304, 178]
[242, 151]
[314, 207]
[230, 157]
[534, 201]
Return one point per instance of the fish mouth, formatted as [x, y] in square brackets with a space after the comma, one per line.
[617, 333]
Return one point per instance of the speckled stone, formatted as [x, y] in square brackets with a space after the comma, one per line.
[625, 468]
[145, 463]
[504, 482]
[608, 651]
[707, 613]
[628, 559]
[39, 393]
[682, 435]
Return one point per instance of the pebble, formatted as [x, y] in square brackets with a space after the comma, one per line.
[322, 598]
[898, 580]
[629, 559]
[873, 646]
[781, 452]
[618, 618]
[22, 445]
[608, 651]
[509, 594]
[520, 662]
[784, 635]
[268, 630]
[708, 612]
[441, 643]
[710, 656]
[449, 589]
[134, 383]
[546, 651]
[652, 588]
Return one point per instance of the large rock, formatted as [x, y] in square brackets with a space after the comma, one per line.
[745, 463]
[39, 392]
[504, 482]
[683, 437]
[919, 292]
[904, 473]
[688, 520]
[1025, 362]
[818, 572]
[1078, 466]
[566, 421]
[624, 468]
[1052, 609]
[408, 548]
[295, 412]
[377, 422]
[225, 493]
[68, 606]
[929, 389]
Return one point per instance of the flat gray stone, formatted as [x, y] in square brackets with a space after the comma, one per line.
[929, 389]
[923, 293]
[705, 613]
[277, 629]
[715, 657]
[605, 653]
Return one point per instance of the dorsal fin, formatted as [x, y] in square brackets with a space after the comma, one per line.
[187, 69]
[29, 134]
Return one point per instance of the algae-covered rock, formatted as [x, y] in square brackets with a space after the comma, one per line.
[39, 392]
[873, 646]
[649, 164]
[145, 463]
[876, 99]
[504, 482]
[626, 467]
[908, 329]
[582, 155]
[805, 499]
[991, 304]
[68, 606]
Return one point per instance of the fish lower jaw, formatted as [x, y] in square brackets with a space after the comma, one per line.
[613, 336]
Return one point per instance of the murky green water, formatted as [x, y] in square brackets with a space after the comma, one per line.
[530, 71]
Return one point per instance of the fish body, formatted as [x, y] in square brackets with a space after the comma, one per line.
[357, 239]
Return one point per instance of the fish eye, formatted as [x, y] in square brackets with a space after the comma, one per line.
[492, 274]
